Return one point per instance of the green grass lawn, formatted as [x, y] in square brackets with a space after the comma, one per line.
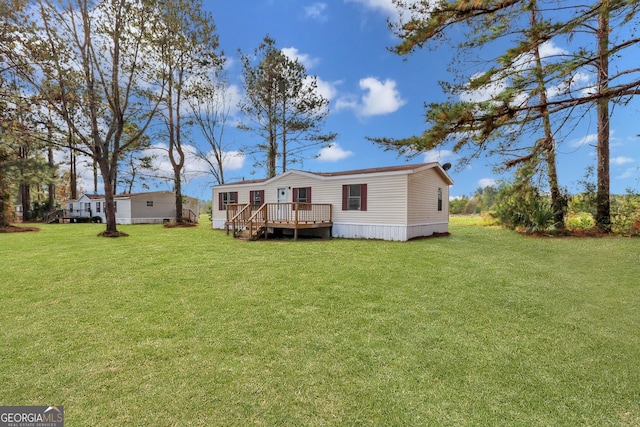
[191, 327]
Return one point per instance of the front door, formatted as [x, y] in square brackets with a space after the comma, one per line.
[283, 197]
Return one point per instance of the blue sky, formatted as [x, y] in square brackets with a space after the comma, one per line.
[375, 93]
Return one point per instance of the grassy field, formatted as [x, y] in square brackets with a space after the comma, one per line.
[191, 327]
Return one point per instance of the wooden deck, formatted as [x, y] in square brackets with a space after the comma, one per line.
[254, 221]
[62, 216]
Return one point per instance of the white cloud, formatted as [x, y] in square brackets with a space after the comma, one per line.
[485, 93]
[579, 82]
[587, 140]
[84, 171]
[326, 89]
[194, 167]
[234, 95]
[621, 160]
[233, 160]
[316, 11]
[385, 6]
[347, 102]
[305, 59]
[486, 182]
[548, 49]
[629, 173]
[333, 153]
[380, 98]
[440, 156]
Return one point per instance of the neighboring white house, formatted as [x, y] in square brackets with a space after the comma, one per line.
[390, 203]
[139, 208]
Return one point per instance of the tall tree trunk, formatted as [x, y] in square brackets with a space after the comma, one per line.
[284, 131]
[603, 204]
[95, 179]
[5, 201]
[109, 208]
[178, 190]
[549, 144]
[25, 199]
[25, 190]
[73, 179]
[5, 190]
[176, 155]
[272, 153]
[51, 187]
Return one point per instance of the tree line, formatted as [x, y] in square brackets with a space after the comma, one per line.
[106, 79]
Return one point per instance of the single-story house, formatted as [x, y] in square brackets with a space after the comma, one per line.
[389, 203]
[139, 208]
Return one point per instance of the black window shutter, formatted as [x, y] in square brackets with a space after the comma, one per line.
[345, 194]
[363, 197]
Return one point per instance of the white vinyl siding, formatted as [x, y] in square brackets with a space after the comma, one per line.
[156, 206]
[423, 198]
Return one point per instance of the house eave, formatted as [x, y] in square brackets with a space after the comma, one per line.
[329, 176]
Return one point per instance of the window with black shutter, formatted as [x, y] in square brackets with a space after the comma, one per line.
[354, 197]
[257, 198]
[302, 195]
[227, 198]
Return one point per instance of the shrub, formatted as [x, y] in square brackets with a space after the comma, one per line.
[541, 219]
[580, 221]
[456, 206]
[516, 204]
[625, 210]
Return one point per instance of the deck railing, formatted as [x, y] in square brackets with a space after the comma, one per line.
[78, 213]
[292, 215]
[296, 213]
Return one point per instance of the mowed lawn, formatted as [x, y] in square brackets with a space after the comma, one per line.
[191, 327]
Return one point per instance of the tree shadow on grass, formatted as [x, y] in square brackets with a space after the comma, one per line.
[16, 229]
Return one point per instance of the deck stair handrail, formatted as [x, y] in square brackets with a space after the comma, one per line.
[257, 223]
[239, 220]
[54, 216]
[189, 215]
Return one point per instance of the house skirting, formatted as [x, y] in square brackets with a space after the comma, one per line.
[422, 230]
[144, 220]
[387, 231]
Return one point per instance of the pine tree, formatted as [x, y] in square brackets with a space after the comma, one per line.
[283, 107]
